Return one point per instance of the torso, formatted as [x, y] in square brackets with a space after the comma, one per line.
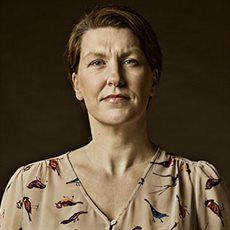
[170, 194]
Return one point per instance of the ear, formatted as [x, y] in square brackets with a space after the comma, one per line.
[154, 82]
[75, 81]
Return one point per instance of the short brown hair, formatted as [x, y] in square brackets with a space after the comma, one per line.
[119, 17]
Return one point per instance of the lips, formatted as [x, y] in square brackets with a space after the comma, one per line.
[116, 96]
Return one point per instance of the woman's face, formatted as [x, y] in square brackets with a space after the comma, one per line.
[114, 78]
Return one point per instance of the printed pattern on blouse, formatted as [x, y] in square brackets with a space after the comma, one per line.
[174, 194]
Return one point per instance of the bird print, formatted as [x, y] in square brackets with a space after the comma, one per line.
[155, 213]
[142, 180]
[215, 208]
[74, 217]
[171, 154]
[53, 163]
[36, 184]
[137, 228]
[19, 204]
[164, 188]
[26, 168]
[185, 166]
[166, 163]
[27, 205]
[174, 226]
[211, 182]
[75, 181]
[182, 209]
[66, 201]
[187, 169]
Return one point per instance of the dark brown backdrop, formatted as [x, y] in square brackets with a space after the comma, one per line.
[39, 115]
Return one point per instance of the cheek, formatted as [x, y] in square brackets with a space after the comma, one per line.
[141, 84]
[90, 86]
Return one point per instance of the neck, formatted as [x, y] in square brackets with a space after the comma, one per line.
[118, 149]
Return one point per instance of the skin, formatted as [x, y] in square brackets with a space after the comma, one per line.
[112, 62]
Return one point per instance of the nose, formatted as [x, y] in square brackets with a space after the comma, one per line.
[115, 75]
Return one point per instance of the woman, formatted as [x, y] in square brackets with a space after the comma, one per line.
[120, 180]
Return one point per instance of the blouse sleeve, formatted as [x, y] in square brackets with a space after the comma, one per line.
[211, 198]
[11, 204]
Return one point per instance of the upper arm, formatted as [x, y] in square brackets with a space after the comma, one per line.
[211, 197]
[11, 204]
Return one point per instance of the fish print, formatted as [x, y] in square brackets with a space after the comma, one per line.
[164, 188]
[36, 184]
[215, 208]
[137, 228]
[73, 218]
[53, 163]
[75, 181]
[211, 182]
[66, 201]
[155, 213]
[182, 209]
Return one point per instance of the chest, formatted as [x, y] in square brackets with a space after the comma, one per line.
[109, 194]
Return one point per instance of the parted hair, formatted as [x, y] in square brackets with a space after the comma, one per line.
[116, 16]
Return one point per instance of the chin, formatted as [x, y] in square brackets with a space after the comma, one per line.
[116, 117]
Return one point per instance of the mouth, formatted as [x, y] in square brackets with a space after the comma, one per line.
[116, 98]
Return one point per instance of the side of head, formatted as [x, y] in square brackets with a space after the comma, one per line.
[118, 17]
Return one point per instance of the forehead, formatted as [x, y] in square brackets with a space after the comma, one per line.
[109, 40]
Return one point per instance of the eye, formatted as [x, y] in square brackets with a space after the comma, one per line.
[130, 61]
[97, 63]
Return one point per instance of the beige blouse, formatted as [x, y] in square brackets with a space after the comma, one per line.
[173, 193]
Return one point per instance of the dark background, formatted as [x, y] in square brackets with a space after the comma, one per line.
[40, 117]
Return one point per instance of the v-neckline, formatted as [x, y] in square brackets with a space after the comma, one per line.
[132, 196]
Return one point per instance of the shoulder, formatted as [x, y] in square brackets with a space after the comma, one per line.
[46, 161]
[208, 190]
[195, 168]
[199, 170]
[53, 162]
[33, 183]
[199, 175]
[34, 173]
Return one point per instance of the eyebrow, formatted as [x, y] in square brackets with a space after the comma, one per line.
[103, 54]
